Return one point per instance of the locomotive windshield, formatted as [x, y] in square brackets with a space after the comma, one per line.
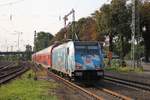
[87, 57]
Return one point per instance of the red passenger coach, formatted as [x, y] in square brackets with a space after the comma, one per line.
[43, 57]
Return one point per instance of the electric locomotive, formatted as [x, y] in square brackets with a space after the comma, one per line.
[80, 60]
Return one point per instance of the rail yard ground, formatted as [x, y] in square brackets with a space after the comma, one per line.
[141, 74]
[62, 92]
[65, 93]
[26, 88]
[36, 86]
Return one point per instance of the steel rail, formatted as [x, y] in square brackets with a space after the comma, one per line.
[90, 93]
[4, 65]
[12, 74]
[122, 97]
[130, 83]
[10, 65]
[11, 71]
[72, 85]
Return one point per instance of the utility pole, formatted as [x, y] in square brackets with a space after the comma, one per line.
[6, 45]
[135, 29]
[35, 41]
[11, 48]
[133, 35]
[35, 34]
[19, 33]
[138, 32]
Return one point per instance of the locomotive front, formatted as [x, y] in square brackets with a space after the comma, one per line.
[88, 61]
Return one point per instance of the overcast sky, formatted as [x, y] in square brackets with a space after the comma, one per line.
[25, 16]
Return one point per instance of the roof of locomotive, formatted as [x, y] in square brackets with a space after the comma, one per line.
[85, 43]
[48, 49]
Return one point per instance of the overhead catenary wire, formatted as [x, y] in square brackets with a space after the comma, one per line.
[10, 3]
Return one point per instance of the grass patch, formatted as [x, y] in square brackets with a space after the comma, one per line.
[123, 69]
[115, 67]
[26, 88]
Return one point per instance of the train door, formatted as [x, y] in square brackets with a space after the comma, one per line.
[66, 59]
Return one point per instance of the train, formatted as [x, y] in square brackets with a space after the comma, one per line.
[79, 60]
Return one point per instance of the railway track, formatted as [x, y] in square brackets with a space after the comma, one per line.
[103, 90]
[108, 94]
[3, 65]
[74, 86]
[128, 83]
[7, 67]
[10, 71]
[94, 93]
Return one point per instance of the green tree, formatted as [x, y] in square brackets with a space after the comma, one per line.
[114, 20]
[121, 21]
[28, 52]
[85, 28]
[42, 40]
[60, 35]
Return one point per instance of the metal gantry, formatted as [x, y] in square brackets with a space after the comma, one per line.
[73, 27]
[66, 16]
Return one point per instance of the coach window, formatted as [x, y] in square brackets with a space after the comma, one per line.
[68, 51]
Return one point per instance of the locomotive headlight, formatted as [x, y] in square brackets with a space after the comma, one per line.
[78, 66]
[78, 73]
[99, 73]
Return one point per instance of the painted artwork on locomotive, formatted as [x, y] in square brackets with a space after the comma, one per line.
[88, 57]
[59, 59]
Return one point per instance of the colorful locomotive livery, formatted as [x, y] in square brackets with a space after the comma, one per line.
[88, 58]
[77, 59]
